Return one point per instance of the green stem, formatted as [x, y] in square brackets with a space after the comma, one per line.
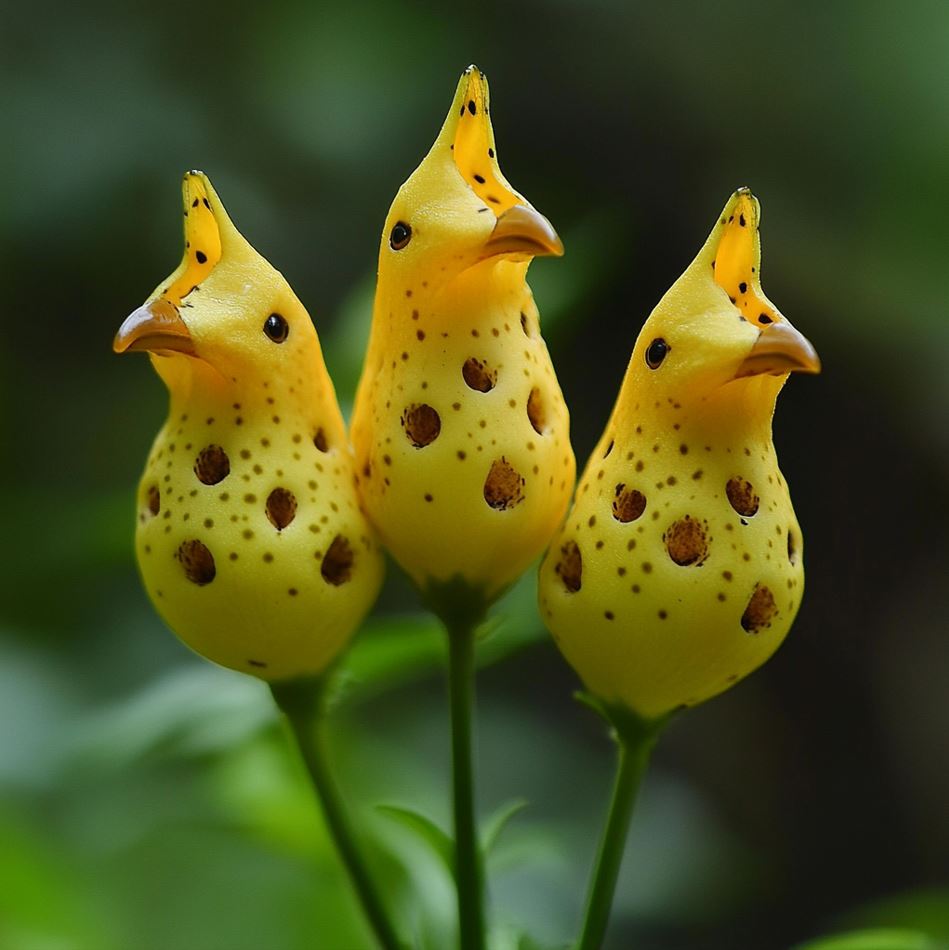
[469, 874]
[303, 703]
[635, 739]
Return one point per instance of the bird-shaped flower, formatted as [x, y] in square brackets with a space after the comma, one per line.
[250, 539]
[460, 428]
[679, 569]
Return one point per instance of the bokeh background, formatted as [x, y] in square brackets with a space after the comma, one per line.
[149, 801]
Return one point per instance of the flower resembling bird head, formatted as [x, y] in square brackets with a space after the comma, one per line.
[460, 428]
[250, 539]
[679, 569]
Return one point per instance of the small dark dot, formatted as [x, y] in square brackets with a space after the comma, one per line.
[428, 497]
[491, 153]
[608, 614]
[472, 108]
[743, 287]
[201, 257]
[319, 440]
[479, 179]
[741, 220]
[662, 615]
[292, 592]
[764, 318]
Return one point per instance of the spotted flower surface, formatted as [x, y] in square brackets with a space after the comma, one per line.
[679, 569]
[249, 539]
[460, 429]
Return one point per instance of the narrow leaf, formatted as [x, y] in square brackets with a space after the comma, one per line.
[426, 829]
[498, 821]
[874, 940]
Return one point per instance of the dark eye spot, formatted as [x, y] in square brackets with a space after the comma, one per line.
[276, 328]
[400, 236]
[656, 353]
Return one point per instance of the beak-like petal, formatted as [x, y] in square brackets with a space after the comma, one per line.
[523, 230]
[780, 349]
[156, 327]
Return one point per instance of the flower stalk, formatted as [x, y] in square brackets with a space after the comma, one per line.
[635, 738]
[303, 702]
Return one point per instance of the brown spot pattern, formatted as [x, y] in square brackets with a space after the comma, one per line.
[686, 541]
[212, 465]
[535, 411]
[337, 566]
[478, 375]
[153, 499]
[629, 504]
[422, 425]
[760, 611]
[741, 496]
[503, 488]
[570, 566]
[281, 508]
[197, 562]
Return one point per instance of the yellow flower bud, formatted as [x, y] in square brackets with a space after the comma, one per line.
[460, 428]
[250, 540]
[680, 567]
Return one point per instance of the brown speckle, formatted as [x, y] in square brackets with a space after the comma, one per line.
[197, 562]
[337, 566]
[629, 504]
[212, 465]
[760, 611]
[281, 508]
[535, 411]
[478, 375]
[570, 566]
[503, 488]
[741, 496]
[686, 541]
[421, 424]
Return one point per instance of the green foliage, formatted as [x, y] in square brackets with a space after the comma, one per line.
[875, 940]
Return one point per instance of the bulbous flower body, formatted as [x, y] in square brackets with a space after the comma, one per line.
[460, 429]
[679, 569]
[250, 540]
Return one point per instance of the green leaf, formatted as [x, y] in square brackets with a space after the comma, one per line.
[874, 940]
[498, 821]
[426, 829]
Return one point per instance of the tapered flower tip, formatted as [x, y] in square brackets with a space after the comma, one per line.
[457, 208]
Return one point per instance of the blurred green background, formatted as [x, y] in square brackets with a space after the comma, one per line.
[149, 801]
